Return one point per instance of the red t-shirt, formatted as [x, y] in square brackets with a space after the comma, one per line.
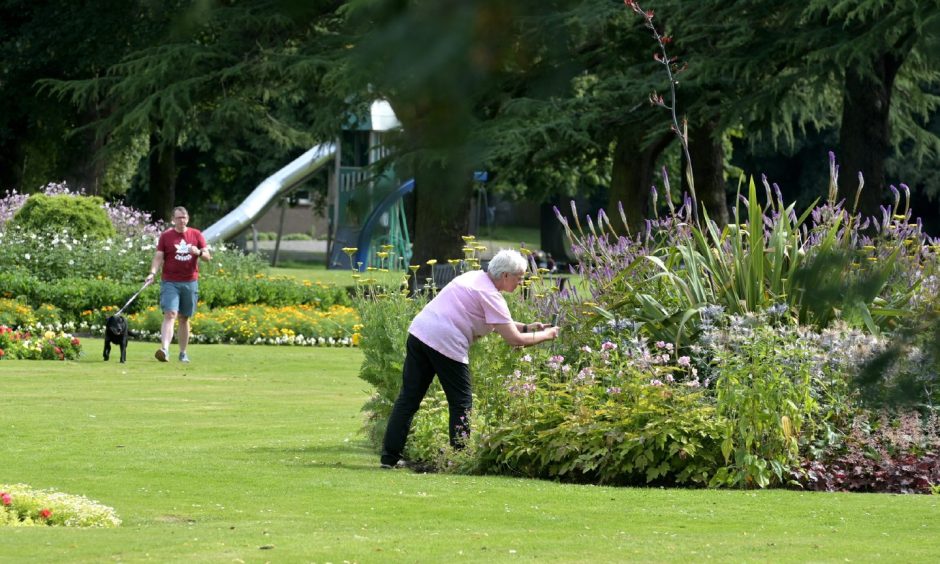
[179, 265]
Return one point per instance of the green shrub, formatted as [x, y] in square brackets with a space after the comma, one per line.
[764, 390]
[77, 215]
[637, 435]
[384, 318]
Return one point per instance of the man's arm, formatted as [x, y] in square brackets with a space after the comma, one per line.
[155, 265]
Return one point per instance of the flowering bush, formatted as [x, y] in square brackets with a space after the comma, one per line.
[695, 356]
[127, 221]
[48, 345]
[22, 506]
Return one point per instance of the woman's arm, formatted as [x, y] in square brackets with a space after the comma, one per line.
[512, 333]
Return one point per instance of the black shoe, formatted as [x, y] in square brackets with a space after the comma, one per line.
[399, 464]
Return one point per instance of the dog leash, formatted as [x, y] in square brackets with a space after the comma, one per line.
[134, 297]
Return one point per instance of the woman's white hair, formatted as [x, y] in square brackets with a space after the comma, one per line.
[506, 262]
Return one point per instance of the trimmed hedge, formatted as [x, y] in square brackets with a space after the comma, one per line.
[73, 296]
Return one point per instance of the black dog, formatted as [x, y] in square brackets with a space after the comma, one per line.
[115, 332]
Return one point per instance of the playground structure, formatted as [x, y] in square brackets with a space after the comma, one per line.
[365, 205]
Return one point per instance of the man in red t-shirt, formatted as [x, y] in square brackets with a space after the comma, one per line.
[178, 252]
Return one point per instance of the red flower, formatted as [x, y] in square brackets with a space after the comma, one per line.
[75, 341]
[45, 513]
[2, 353]
[6, 498]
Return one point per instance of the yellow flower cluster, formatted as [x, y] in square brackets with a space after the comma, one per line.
[261, 324]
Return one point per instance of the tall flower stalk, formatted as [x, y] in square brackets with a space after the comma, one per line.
[672, 68]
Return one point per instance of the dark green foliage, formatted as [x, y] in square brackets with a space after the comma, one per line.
[907, 373]
[642, 435]
[224, 98]
[75, 215]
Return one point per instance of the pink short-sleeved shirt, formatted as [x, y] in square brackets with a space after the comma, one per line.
[466, 309]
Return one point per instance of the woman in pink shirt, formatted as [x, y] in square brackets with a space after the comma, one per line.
[439, 340]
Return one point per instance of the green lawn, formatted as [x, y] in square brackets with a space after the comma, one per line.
[253, 454]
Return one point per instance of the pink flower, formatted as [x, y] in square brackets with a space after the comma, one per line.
[608, 346]
[684, 361]
[6, 498]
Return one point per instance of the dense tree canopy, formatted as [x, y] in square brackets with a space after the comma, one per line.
[194, 102]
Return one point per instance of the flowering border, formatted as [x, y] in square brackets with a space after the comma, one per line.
[22, 506]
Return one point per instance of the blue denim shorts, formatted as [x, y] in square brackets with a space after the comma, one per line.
[180, 297]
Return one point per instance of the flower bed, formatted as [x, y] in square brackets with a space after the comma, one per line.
[40, 345]
[260, 325]
[22, 506]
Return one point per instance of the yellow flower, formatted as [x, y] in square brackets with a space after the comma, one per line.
[382, 254]
[468, 238]
[350, 250]
[431, 262]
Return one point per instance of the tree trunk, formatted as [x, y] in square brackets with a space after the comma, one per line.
[437, 155]
[864, 135]
[442, 204]
[90, 170]
[631, 177]
[708, 158]
[162, 193]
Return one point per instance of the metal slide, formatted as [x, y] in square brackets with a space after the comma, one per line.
[266, 193]
[364, 254]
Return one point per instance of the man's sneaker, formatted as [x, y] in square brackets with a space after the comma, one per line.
[184, 357]
[399, 464]
[160, 355]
